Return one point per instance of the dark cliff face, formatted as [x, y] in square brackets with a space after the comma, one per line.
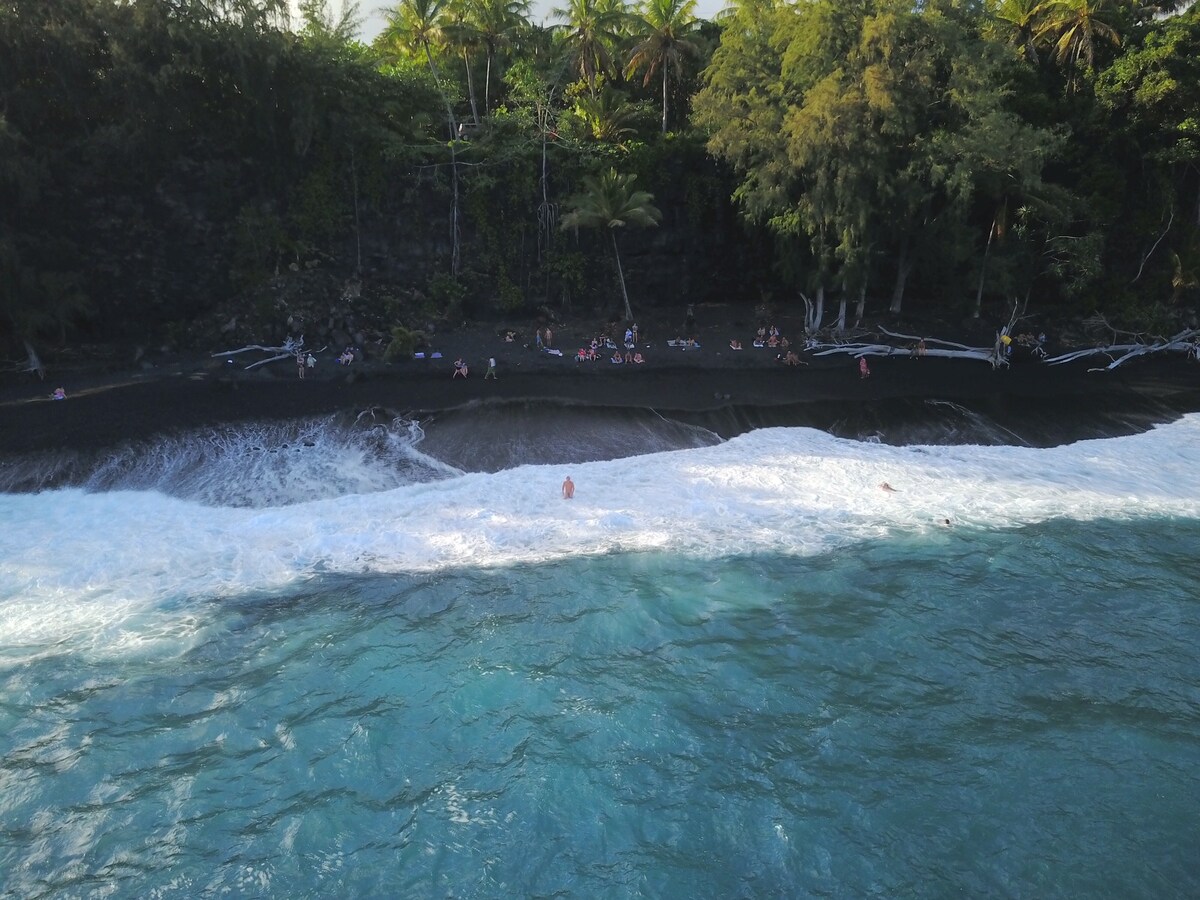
[172, 261]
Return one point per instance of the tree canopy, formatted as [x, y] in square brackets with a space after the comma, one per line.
[166, 168]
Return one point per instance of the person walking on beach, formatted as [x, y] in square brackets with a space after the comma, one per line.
[491, 372]
[864, 371]
[539, 339]
[568, 488]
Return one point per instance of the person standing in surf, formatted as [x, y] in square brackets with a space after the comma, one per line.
[568, 488]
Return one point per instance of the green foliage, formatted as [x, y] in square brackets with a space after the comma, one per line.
[157, 159]
[447, 294]
[403, 344]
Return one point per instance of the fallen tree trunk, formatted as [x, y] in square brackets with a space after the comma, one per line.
[1185, 342]
[287, 350]
[933, 347]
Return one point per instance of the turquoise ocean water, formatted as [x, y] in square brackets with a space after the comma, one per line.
[733, 669]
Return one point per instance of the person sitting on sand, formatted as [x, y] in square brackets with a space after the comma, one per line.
[617, 359]
[637, 358]
[783, 343]
[864, 371]
[735, 344]
[792, 359]
[460, 368]
[773, 341]
[759, 343]
[59, 394]
[628, 356]
[346, 358]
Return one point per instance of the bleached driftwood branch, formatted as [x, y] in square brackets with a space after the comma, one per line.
[933, 347]
[1185, 342]
[287, 350]
[31, 364]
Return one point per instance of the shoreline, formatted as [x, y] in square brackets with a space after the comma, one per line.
[106, 410]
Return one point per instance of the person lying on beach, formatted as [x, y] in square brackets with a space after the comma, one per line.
[792, 359]
[460, 368]
[735, 344]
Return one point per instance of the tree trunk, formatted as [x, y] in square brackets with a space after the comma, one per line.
[471, 88]
[904, 266]
[487, 84]
[454, 229]
[819, 309]
[621, 276]
[861, 308]
[664, 117]
[983, 272]
[841, 319]
[357, 228]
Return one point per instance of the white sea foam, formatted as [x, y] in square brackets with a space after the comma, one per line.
[112, 567]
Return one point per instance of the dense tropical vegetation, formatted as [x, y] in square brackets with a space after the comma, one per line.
[172, 169]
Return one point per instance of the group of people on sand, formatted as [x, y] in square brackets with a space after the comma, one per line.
[769, 337]
[602, 343]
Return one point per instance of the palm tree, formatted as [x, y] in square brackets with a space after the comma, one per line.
[1017, 22]
[608, 201]
[1074, 28]
[606, 115]
[592, 30]
[666, 28]
[460, 33]
[496, 22]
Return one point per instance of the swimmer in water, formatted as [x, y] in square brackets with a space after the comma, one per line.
[883, 485]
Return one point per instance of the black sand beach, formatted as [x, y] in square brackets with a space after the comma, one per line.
[727, 390]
